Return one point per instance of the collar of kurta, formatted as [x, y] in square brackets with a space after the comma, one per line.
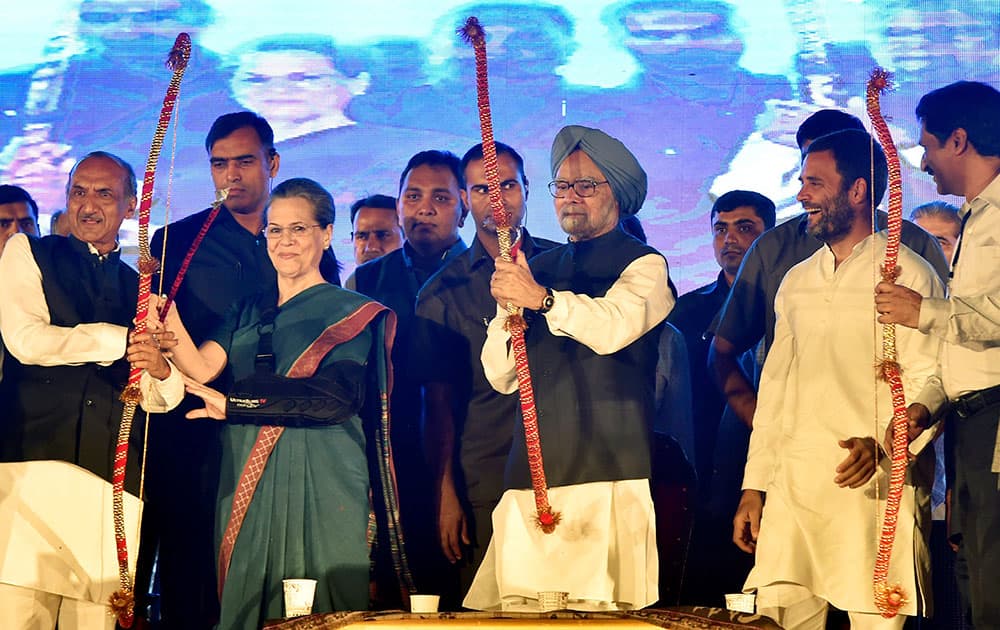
[87, 250]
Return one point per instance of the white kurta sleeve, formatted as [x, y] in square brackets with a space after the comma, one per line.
[497, 357]
[919, 353]
[767, 418]
[161, 396]
[636, 303]
[27, 328]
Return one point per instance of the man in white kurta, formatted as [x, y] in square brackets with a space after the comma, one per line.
[821, 411]
[64, 317]
[594, 307]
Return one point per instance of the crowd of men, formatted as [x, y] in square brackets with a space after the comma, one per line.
[803, 434]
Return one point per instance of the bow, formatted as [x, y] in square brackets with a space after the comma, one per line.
[545, 518]
[889, 598]
[123, 601]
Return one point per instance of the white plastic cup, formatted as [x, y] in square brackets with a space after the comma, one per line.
[424, 603]
[552, 600]
[741, 602]
[299, 595]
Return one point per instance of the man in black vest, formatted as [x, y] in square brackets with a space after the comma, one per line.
[594, 308]
[66, 333]
[467, 425]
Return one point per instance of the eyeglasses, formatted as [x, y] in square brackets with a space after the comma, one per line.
[582, 187]
[274, 232]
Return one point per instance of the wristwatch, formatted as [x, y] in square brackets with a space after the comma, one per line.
[547, 302]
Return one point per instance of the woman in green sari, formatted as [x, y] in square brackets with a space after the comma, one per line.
[305, 445]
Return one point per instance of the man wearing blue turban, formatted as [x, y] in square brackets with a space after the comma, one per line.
[594, 308]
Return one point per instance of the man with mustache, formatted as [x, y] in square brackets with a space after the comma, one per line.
[738, 218]
[431, 211]
[375, 228]
[69, 303]
[810, 507]
[747, 317]
[468, 426]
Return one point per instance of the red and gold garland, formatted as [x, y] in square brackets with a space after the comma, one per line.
[545, 518]
[889, 598]
[123, 601]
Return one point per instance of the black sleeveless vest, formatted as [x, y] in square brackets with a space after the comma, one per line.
[595, 412]
[72, 412]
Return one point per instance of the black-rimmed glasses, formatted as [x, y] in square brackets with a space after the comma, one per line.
[582, 187]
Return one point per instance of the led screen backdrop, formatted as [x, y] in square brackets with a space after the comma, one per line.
[707, 93]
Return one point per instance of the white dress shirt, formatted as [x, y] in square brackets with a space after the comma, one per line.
[968, 320]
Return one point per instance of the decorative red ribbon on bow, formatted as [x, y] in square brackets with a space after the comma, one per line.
[545, 518]
[123, 601]
[889, 598]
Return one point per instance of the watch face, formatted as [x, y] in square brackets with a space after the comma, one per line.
[547, 302]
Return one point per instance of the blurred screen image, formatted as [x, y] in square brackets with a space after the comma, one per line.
[707, 93]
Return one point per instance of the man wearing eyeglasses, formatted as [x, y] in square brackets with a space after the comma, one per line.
[375, 227]
[594, 309]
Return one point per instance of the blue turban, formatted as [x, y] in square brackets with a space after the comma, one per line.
[622, 170]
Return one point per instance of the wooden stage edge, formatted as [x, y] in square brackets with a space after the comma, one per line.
[683, 617]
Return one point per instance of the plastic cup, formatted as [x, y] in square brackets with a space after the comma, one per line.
[740, 602]
[424, 603]
[299, 595]
[552, 600]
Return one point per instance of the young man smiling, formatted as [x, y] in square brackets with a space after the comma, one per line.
[961, 143]
[810, 504]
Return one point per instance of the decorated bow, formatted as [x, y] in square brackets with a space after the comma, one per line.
[123, 601]
[889, 598]
[546, 519]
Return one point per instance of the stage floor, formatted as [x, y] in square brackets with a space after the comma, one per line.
[683, 617]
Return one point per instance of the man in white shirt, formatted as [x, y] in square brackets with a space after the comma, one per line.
[594, 308]
[961, 144]
[821, 412]
[66, 334]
